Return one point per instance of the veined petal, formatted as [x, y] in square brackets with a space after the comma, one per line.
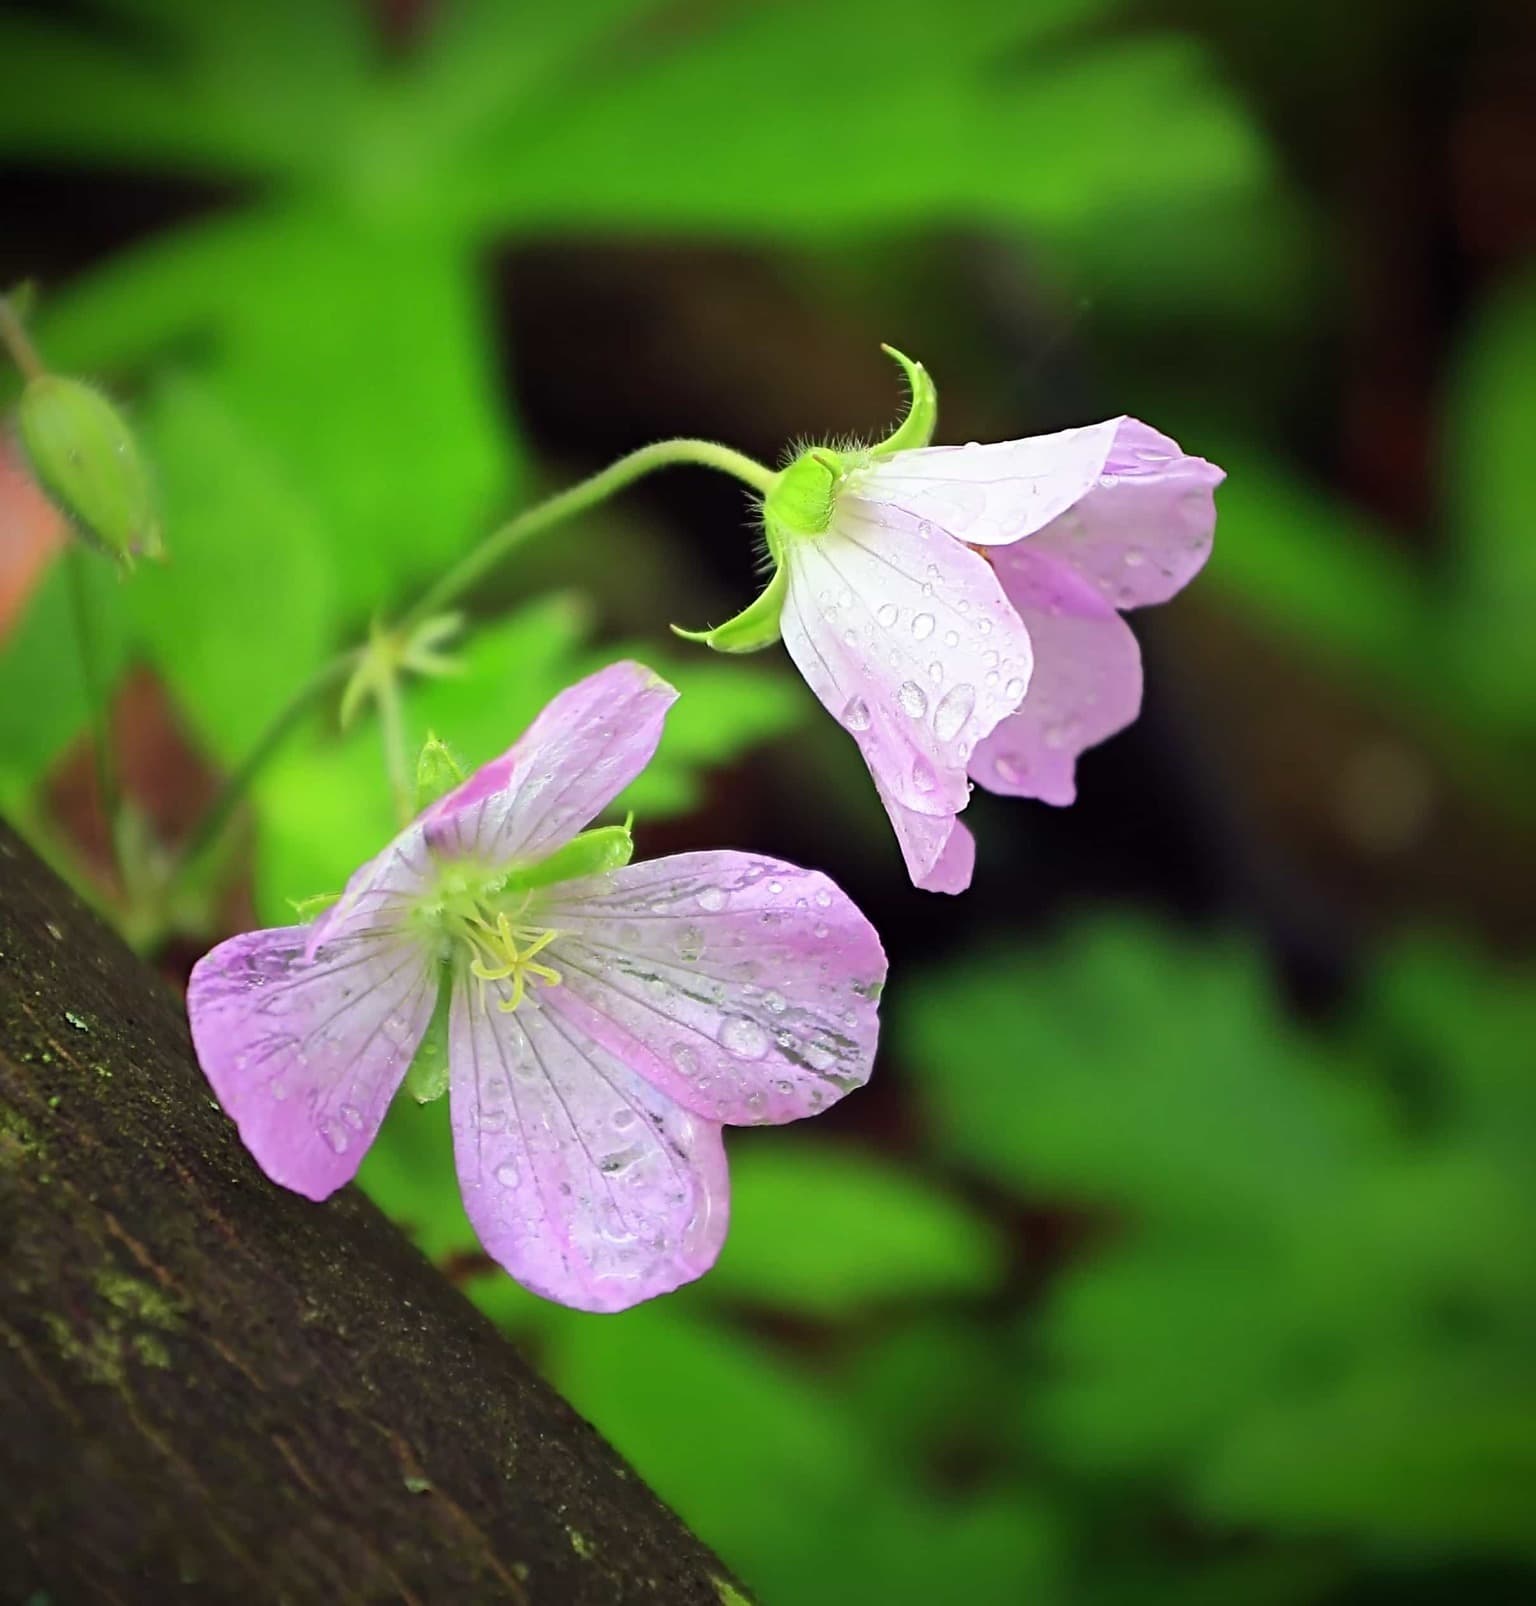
[306, 1051]
[742, 987]
[1143, 530]
[910, 644]
[990, 495]
[379, 895]
[938, 851]
[586, 746]
[587, 1184]
[1086, 685]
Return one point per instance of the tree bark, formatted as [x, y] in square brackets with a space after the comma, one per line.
[213, 1390]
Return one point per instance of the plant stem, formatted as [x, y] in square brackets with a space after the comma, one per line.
[477, 562]
[577, 499]
[392, 727]
[75, 560]
[238, 781]
[14, 338]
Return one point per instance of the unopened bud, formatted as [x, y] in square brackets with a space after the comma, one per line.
[86, 460]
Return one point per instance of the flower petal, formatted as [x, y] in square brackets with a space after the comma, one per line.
[378, 895]
[586, 746]
[991, 495]
[910, 644]
[939, 852]
[743, 987]
[1144, 530]
[1086, 685]
[588, 1185]
[305, 1052]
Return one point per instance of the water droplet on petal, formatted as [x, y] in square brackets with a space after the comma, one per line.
[955, 707]
[776, 1002]
[1014, 690]
[936, 673]
[690, 944]
[1134, 557]
[912, 698]
[712, 899]
[951, 638]
[923, 777]
[922, 626]
[352, 1116]
[506, 1174]
[856, 714]
[743, 1037]
[335, 1135]
[685, 1059]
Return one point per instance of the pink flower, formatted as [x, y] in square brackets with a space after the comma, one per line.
[604, 1019]
[959, 616]
[955, 608]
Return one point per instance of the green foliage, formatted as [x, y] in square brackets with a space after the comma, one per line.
[1314, 1310]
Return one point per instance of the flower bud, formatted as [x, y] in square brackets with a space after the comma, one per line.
[85, 458]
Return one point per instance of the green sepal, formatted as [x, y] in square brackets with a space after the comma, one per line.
[88, 464]
[917, 428]
[427, 1078]
[605, 847]
[437, 771]
[755, 627]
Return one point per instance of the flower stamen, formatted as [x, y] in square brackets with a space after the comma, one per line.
[508, 952]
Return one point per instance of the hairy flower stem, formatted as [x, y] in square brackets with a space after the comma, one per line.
[449, 588]
[576, 499]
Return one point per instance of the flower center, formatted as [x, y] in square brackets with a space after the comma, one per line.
[503, 950]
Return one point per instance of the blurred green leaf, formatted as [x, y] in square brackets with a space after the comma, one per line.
[824, 1231]
[1317, 1310]
[242, 609]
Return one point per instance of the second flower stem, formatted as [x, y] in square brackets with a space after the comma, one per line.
[479, 561]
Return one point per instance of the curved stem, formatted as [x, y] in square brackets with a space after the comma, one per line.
[392, 727]
[477, 562]
[577, 499]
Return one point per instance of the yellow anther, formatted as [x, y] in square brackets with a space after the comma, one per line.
[506, 952]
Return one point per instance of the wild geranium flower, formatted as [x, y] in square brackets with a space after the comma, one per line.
[603, 1019]
[955, 608]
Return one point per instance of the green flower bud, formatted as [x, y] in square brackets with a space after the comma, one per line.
[86, 460]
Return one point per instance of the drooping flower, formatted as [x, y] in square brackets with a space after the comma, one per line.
[955, 608]
[604, 1019]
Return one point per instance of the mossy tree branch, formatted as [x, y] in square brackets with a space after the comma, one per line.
[212, 1390]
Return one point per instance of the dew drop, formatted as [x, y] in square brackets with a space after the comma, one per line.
[885, 615]
[685, 1059]
[922, 626]
[335, 1136]
[955, 707]
[936, 673]
[1134, 557]
[690, 944]
[784, 1086]
[776, 1002]
[823, 899]
[990, 660]
[912, 698]
[744, 1037]
[923, 777]
[712, 899]
[506, 1174]
[624, 1118]
[1014, 690]
[776, 887]
[352, 1116]
[951, 638]
[856, 714]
